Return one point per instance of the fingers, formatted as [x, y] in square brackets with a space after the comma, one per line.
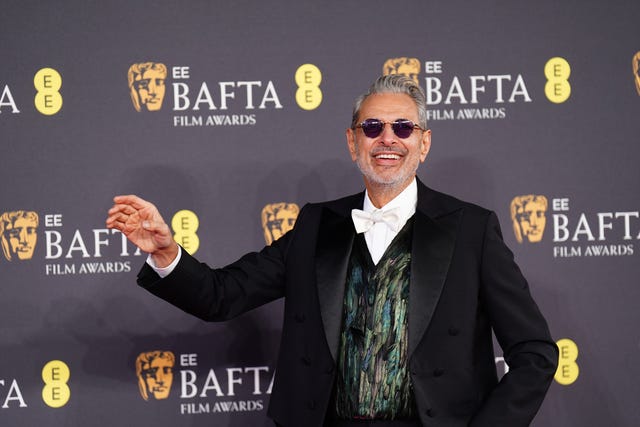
[116, 221]
[132, 200]
[122, 209]
[126, 207]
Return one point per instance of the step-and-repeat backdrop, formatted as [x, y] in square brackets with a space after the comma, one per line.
[230, 116]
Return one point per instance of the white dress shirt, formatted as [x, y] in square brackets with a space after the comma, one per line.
[380, 236]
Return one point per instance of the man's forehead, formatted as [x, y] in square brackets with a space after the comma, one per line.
[395, 105]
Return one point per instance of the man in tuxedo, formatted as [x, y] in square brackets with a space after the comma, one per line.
[390, 294]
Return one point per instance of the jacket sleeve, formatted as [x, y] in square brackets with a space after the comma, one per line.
[521, 331]
[217, 294]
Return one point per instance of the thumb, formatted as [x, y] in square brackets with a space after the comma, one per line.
[151, 225]
[158, 228]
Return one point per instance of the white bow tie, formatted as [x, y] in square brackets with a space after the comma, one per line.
[363, 221]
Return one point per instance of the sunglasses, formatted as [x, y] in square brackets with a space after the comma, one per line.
[401, 127]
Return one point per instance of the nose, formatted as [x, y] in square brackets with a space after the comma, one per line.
[388, 136]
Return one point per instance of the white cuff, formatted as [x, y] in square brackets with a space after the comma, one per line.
[165, 271]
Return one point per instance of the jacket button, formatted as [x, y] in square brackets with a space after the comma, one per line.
[431, 413]
[438, 372]
[312, 404]
[329, 370]
[306, 360]
[299, 317]
[454, 331]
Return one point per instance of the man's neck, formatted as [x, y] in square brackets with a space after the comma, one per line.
[381, 194]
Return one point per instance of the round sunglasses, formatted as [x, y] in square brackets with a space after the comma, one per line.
[401, 127]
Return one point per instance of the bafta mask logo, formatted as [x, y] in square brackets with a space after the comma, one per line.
[155, 374]
[277, 219]
[528, 214]
[18, 234]
[409, 67]
[636, 70]
[146, 85]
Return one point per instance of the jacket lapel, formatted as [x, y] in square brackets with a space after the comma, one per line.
[434, 237]
[335, 241]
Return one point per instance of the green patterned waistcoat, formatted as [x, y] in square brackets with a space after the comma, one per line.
[373, 378]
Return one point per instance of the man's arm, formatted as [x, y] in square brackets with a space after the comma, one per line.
[218, 294]
[210, 294]
[522, 332]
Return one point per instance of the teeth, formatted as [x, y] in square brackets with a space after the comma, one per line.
[388, 156]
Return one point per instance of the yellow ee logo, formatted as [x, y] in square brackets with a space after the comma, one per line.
[48, 83]
[308, 95]
[557, 72]
[56, 392]
[568, 370]
[185, 224]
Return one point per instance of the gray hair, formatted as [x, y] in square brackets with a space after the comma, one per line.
[394, 83]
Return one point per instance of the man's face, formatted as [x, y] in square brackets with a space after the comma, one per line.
[22, 237]
[388, 160]
[532, 220]
[150, 88]
[281, 222]
[158, 377]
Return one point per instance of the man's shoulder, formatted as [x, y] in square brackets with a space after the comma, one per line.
[343, 205]
[439, 203]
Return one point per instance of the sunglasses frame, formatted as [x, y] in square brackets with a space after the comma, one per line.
[395, 126]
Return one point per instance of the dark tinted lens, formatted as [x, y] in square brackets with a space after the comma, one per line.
[402, 128]
[372, 127]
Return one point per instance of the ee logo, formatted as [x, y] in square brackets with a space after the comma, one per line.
[48, 82]
[308, 78]
[56, 392]
[568, 370]
[557, 72]
[185, 224]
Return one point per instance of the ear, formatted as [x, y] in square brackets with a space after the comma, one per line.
[351, 143]
[425, 144]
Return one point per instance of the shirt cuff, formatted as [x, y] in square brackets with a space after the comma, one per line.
[165, 271]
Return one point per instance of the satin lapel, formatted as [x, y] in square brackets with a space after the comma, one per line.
[335, 240]
[432, 249]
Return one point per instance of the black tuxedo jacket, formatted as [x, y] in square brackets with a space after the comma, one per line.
[464, 283]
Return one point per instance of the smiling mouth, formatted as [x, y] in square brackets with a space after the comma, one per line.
[387, 156]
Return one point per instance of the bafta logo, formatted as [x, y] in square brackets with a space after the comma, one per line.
[409, 67]
[146, 85]
[636, 70]
[528, 216]
[277, 219]
[18, 234]
[154, 370]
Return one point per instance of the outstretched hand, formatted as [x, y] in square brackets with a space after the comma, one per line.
[143, 225]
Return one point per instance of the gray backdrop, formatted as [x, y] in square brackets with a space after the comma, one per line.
[70, 296]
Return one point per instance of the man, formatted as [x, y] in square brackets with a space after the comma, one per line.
[18, 234]
[146, 85]
[389, 310]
